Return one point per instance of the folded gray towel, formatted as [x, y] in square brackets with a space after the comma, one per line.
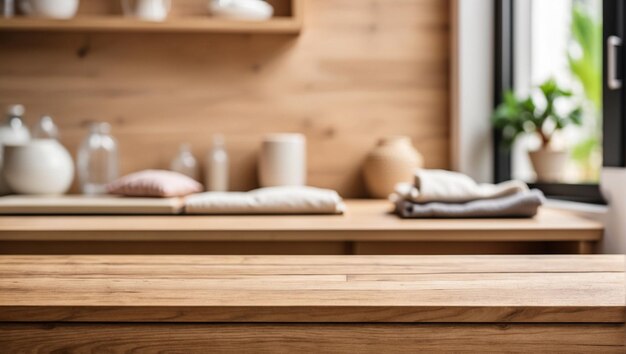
[516, 205]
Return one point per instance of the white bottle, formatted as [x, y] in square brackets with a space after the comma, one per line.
[12, 132]
[185, 162]
[216, 174]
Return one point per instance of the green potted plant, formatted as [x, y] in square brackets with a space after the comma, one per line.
[515, 117]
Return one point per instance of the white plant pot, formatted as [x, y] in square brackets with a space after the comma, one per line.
[549, 164]
[42, 166]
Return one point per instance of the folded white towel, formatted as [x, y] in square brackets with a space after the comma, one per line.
[271, 200]
[452, 187]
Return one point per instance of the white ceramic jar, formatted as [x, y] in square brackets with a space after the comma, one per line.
[147, 10]
[42, 166]
[58, 9]
[282, 161]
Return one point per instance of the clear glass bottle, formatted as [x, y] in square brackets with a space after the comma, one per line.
[46, 129]
[14, 131]
[97, 159]
[216, 176]
[7, 8]
[185, 162]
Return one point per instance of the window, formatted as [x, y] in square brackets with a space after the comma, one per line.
[560, 40]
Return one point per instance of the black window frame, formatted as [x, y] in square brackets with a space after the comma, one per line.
[614, 127]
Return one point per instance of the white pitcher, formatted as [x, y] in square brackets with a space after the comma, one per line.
[147, 10]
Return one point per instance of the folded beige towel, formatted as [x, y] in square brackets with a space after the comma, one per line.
[452, 187]
[271, 200]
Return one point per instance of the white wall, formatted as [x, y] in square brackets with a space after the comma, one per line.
[613, 185]
[472, 83]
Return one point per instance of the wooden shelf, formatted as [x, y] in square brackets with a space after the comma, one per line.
[365, 220]
[287, 25]
[186, 16]
[366, 228]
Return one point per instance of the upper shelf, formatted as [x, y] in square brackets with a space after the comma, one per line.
[186, 16]
[121, 24]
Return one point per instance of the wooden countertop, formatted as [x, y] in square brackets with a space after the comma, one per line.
[365, 220]
[587, 288]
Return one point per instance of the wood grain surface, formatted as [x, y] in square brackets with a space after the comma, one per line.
[365, 220]
[313, 289]
[359, 70]
[312, 338]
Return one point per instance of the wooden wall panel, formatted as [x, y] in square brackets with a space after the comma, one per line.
[359, 70]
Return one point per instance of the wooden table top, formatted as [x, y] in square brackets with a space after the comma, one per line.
[561, 288]
[365, 220]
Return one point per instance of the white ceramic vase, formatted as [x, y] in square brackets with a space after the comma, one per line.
[42, 166]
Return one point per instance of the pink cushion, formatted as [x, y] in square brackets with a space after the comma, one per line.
[154, 183]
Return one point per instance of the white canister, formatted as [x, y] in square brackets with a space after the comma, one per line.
[282, 161]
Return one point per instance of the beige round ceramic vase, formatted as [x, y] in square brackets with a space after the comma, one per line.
[392, 161]
[549, 164]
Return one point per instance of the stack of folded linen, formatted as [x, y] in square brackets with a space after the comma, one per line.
[445, 194]
[270, 200]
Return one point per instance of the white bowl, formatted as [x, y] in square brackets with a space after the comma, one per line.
[249, 10]
[58, 9]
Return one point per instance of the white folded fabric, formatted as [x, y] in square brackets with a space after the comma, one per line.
[271, 200]
[452, 187]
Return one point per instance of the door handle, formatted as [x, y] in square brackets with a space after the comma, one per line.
[612, 43]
